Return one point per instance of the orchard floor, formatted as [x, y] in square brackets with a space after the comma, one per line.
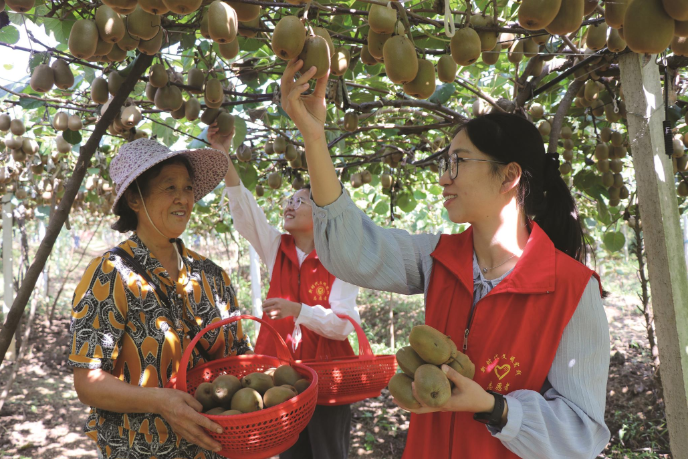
[43, 417]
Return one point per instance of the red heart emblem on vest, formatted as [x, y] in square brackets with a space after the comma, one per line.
[502, 370]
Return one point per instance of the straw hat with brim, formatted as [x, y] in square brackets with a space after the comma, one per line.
[134, 158]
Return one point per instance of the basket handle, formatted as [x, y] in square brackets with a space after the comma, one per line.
[364, 349]
[282, 349]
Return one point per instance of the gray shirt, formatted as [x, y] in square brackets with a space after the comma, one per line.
[566, 418]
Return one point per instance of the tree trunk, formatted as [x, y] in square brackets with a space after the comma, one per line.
[62, 212]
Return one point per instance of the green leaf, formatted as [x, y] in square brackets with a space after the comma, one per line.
[442, 93]
[248, 174]
[239, 132]
[406, 202]
[29, 104]
[603, 212]
[435, 189]
[73, 137]
[9, 34]
[614, 241]
[222, 227]
[382, 208]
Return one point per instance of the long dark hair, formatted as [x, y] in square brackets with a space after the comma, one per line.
[542, 193]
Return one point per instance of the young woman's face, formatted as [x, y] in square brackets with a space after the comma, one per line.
[169, 202]
[474, 194]
[300, 219]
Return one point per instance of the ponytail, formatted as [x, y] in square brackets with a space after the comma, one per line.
[542, 193]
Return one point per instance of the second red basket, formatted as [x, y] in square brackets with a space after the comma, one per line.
[347, 380]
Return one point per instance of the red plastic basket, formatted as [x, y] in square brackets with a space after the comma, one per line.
[261, 434]
[351, 379]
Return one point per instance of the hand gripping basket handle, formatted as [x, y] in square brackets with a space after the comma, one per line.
[282, 349]
[364, 349]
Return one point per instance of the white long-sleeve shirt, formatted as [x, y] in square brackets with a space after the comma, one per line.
[250, 221]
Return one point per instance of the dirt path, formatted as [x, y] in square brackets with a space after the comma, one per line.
[43, 417]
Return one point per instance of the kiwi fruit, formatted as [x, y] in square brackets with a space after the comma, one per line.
[315, 53]
[537, 14]
[29, 146]
[204, 25]
[143, 25]
[432, 385]
[247, 400]
[290, 154]
[222, 22]
[225, 123]
[276, 395]
[279, 145]
[14, 143]
[42, 78]
[5, 121]
[431, 345]
[490, 57]
[296, 163]
[530, 48]
[614, 13]
[400, 388]
[544, 127]
[62, 145]
[488, 40]
[682, 189]
[301, 385]
[288, 38]
[465, 46]
[515, 53]
[601, 151]
[109, 24]
[152, 46]
[617, 139]
[103, 48]
[230, 413]
[245, 28]
[158, 76]
[376, 43]
[168, 98]
[340, 61]
[83, 39]
[259, 190]
[260, 382]
[61, 121]
[153, 6]
[205, 395]
[195, 79]
[679, 46]
[366, 57]
[215, 411]
[615, 43]
[386, 181]
[209, 115]
[597, 36]
[382, 19]
[322, 32]
[214, 93]
[128, 42]
[423, 85]
[244, 11]
[460, 362]
[192, 108]
[224, 388]
[183, 7]
[20, 6]
[64, 79]
[269, 148]
[229, 50]
[115, 81]
[285, 374]
[350, 121]
[407, 359]
[74, 123]
[17, 127]
[568, 18]
[131, 116]
[401, 62]
[244, 153]
[275, 180]
[446, 69]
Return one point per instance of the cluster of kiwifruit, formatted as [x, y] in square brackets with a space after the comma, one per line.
[421, 364]
[228, 395]
[45, 76]
[20, 147]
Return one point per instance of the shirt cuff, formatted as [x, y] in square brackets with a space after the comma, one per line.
[305, 315]
[235, 191]
[334, 209]
[514, 420]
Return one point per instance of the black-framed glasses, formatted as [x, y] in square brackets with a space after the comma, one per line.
[294, 202]
[453, 164]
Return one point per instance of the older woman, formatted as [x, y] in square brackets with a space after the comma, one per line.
[139, 304]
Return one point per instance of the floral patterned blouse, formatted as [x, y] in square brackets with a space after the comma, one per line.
[120, 326]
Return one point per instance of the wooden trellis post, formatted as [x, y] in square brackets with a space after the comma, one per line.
[663, 238]
[7, 262]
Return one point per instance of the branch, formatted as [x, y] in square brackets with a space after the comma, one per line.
[366, 106]
[558, 119]
[62, 212]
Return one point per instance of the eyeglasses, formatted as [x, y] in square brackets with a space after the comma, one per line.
[453, 164]
[294, 203]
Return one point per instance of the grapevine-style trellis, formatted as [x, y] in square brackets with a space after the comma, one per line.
[122, 69]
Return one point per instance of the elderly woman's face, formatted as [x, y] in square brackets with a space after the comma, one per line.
[169, 202]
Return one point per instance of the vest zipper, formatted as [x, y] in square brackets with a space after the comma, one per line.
[468, 327]
[451, 436]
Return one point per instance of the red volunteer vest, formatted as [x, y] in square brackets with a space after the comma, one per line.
[310, 285]
[513, 336]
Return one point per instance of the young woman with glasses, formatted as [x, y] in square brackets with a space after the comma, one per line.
[512, 290]
[302, 300]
